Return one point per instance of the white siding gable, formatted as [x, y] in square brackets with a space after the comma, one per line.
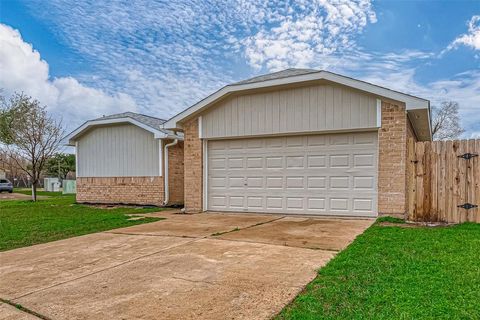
[117, 151]
[316, 108]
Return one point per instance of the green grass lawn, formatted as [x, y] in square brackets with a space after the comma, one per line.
[398, 273]
[24, 223]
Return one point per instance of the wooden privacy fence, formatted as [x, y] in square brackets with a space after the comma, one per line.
[444, 181]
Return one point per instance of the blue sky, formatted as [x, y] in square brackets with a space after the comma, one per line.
[88, 58]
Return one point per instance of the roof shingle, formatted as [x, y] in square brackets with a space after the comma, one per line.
[155, 123]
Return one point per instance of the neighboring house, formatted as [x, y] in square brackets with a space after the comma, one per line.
[300, 142]
[122, 158]
[3, 174]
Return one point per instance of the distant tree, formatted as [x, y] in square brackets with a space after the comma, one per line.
[60, 165]
[29, 133]
[446, 121]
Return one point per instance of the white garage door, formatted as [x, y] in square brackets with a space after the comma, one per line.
[333, 174]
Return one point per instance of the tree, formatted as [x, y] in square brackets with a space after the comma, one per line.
[28, 132]
[60, 165]
[446, 121]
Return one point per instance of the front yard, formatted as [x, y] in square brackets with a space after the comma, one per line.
[24, 223]
[392, 272]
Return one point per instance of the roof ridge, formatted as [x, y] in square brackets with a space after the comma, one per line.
[128, 114]
[285, 73]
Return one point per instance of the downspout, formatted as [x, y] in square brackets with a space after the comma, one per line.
[165, 179]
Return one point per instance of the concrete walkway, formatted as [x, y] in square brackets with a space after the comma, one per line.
[205, 266]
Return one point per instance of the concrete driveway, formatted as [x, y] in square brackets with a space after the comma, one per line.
[205, 266]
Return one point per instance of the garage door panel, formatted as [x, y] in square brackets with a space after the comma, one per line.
[316, 141]
[318, 174]
[274, 162]
[274, 203]
[295, 182]
[340, 139]
[340, 161]
[295, 162]
[364, 160]
[255, 202]
[364, 139]
[316, 183]
[364, 182]
[235, 163]
[363, 204]
[294, 203]
[339, 204]
[316, 161]
[255, 182]
[339, 183]
[237, 202]
[316, 203]
[235, 182]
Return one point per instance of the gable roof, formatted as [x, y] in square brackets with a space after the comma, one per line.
[295, 76]
[149, 123]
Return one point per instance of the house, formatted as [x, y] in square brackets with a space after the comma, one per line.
[301, 142]
[128, 158]
[297, 141]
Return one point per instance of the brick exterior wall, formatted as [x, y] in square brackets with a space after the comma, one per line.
[392, 168]
[124, 190]
[176, 174]
[193, 162]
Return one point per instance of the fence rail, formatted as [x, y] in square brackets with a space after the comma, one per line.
[440, 181]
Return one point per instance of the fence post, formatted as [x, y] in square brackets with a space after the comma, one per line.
[411, 179]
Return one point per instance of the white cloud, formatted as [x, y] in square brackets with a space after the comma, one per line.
[22, 69]
[179, 51]
[471, 38]
[311, 30]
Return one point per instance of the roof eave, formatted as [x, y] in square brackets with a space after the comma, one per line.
[72, 137]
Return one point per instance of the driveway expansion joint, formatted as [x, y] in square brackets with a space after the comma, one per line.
[24, 309]
[106, 269]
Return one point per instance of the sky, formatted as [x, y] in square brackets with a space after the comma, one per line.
[88, 58]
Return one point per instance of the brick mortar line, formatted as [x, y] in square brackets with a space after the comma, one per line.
[24, 309]
[105, 269]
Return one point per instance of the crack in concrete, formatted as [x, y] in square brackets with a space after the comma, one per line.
[24, 309]
[277, 245]
[194, 281]
[221, 233]
[154, 235]
[105, 269]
